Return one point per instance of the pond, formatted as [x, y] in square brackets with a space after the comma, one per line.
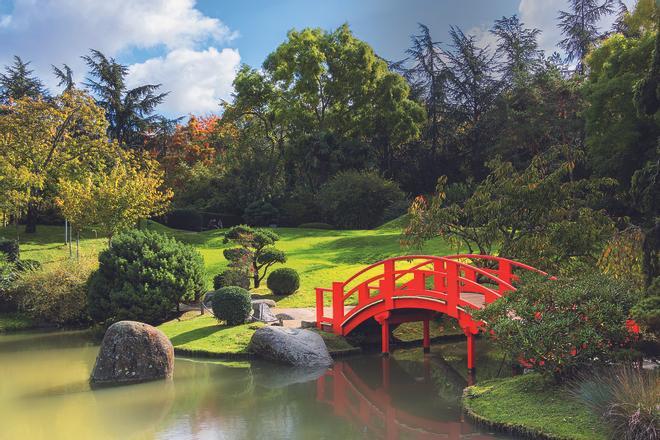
[44, 394]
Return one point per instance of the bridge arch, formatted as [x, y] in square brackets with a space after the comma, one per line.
[388, 290]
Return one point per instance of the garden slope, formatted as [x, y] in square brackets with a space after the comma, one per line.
[320, 256]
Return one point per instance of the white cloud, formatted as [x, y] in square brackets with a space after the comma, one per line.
[60, 31]
[196, 80]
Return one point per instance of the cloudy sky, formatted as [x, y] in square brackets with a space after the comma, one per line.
[194, 47]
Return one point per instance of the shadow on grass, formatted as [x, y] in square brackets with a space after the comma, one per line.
[196, 334]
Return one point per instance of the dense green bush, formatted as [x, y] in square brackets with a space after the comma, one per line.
[231, 304]
[358, 200]
[260, 213]
[143, 276]
[232, 277]
[562, 326]
[647, 311]
[56, 294]
[283, 281]
[10, 248]
[316, 225]
[187, 219]
[625, 398]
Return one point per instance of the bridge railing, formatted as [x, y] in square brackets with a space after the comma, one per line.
[451, 277]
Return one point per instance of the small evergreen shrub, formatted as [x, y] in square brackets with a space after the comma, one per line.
[143, 276]
[186, 219]
[11, 249]
[231, 277]
[231, 304]
[260, 213]
[283, 281]
[316, 225]
[56, 294]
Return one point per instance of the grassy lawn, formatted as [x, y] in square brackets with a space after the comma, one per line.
[319, 256]
[202, 334]
[14, 322]
[526, 404]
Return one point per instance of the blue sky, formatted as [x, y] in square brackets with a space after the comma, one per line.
[194, 47]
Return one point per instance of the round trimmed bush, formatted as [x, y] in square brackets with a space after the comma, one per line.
[143, 276]
[231, 304]
[283, 281]
[231, 277]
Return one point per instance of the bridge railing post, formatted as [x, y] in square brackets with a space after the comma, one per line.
[504, 273]
[337, 307]
[453, 287]
[387, 283]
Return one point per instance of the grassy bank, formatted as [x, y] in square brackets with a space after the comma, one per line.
[196, 335]
[527, 406]
[319, 256]
[13, 322]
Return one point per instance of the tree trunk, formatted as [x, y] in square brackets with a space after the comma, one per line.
[31, 218]
[255, 275]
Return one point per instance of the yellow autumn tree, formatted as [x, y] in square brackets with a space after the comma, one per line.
[115, 199]
[45, 141]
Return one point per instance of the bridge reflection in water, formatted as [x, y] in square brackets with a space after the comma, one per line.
[399, 400]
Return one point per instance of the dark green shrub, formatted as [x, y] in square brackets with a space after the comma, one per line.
[260, 213]
[562, 326]
[232, 277]
[8, 274]
[57, 294]
[232, 305]
[358, 200]
[316, 225]
[625, 398]
[187, 219]
[283, 281]
[143, 276]
[11, 249]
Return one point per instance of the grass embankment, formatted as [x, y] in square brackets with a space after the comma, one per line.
[196, 335]
[319, 256]
[11, 322]
[527, 406]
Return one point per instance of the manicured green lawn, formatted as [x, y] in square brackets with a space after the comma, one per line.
[203, 335]
[526, 402]
[14, 322]
[320, 256]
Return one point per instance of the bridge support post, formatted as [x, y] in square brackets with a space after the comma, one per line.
[385, 337]
[427, 337]
[470, 353]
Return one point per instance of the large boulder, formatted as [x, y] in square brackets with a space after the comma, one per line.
[133, 352]
[297, 347]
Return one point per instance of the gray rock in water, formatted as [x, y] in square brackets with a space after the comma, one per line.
[297, 347]
[268, 302]
[132, 352]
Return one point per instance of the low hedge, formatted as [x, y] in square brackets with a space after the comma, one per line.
[316, 225]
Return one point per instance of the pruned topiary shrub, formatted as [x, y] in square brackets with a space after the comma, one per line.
[232, 277]
[231, 304]
[143, 276]
[283, 281]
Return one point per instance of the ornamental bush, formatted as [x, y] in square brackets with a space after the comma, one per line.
[358, 200]
[231, 304]
[56, 294]
[232, 277]
[143, 276]
[559, 327]
[283, 281]
[10, 248]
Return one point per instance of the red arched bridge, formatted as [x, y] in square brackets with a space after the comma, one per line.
[415, 288]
